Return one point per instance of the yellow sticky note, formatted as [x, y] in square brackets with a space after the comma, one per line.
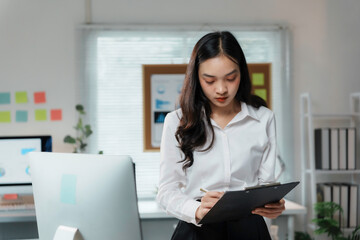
[261, 93]
[21, 97]
[40, 115]
[5, 117]
[258, 79]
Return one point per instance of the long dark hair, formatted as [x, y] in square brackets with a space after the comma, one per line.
[196, 111]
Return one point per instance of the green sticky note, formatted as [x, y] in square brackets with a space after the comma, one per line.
[21, 97]
[21, 116]
[68, 189]
[4, 98]
[261, 93]
[5, 117]
[258, 79]
[40, 115]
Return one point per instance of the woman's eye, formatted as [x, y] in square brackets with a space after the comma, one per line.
[231, 79]
[209, 82]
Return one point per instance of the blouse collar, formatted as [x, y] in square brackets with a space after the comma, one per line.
[246, 111]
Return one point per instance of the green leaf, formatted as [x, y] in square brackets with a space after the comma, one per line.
[302, 236]
[356, 234]
[79, 107]
[69, 139]
[88, 131]
[101, 152]
[83, 146]
[327, 209]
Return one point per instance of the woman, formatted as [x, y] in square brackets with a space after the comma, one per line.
[222, 138]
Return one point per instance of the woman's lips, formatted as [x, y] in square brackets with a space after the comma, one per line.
[221, 99]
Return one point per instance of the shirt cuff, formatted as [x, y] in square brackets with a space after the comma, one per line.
[189, 211]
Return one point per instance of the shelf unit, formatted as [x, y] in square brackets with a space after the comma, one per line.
[310, 175]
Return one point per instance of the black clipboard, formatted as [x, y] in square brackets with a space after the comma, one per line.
[234, 205]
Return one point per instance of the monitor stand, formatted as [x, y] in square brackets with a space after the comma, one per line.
[67, 233]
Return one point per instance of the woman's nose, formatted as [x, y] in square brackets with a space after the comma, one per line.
[221, 87]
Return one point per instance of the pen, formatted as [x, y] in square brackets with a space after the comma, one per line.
[204, 190]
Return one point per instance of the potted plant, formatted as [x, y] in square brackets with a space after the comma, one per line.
[83, 132]
[326, 224]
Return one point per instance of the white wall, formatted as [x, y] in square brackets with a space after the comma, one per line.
[38, 47]
[37, 53]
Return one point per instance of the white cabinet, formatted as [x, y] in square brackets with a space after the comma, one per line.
[310, 175]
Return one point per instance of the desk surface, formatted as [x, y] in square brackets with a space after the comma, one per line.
[148, 210]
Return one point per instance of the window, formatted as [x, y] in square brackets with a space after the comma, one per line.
[112, 84]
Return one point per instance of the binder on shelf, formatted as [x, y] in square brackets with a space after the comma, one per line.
[344, 203]
[322, 148]
[353, 205]
[336, 199]
[351, 148]
[342, 149]
[334, 146]
[324, 192]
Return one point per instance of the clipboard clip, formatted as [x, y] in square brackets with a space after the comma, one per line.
[263, 185]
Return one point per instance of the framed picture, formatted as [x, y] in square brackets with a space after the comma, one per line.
[162, 86]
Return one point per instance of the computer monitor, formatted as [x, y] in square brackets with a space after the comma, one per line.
[14, 164]
[94, 193]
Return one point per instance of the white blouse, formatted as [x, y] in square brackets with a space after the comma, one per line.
[243, 154]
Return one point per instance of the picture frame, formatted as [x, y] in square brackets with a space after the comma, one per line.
[160, 91]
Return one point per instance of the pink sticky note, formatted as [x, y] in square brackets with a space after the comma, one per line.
[56, 114]
[39, 97]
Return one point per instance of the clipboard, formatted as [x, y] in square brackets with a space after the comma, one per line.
[234, 205]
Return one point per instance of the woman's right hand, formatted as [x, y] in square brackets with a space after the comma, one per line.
[207, 202]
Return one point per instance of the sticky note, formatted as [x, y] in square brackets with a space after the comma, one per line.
[68, 189]
[5, 117]
[258, 79]
[4, 98]
[25, 151]
[39, 97]
[10, 196]
[21, 116]
[56, 114]
[40, 115]
[21, 97]
[261, 93]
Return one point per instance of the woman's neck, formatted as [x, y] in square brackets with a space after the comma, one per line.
[222, 116]
[231, 109]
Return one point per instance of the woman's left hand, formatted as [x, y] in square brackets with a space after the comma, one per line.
[271, 210]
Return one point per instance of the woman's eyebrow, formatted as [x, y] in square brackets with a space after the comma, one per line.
[211, 76]
[233, 71]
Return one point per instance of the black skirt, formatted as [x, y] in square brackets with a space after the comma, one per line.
[252, 227]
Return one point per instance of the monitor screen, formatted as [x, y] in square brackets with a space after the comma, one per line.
[94, 193]
[14, 163]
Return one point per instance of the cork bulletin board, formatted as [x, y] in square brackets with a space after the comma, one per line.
[260, 75]
[161, 88]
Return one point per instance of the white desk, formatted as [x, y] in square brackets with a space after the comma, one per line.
[150, 210]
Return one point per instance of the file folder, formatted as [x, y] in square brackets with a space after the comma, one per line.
[234, 205]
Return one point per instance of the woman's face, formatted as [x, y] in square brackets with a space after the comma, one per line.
[220, 79]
